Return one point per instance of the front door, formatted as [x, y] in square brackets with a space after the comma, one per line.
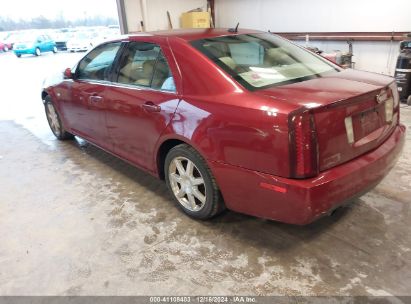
[84, 110]
[48, 44]
[141, 104]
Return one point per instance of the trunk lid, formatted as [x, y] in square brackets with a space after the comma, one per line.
[353, 112]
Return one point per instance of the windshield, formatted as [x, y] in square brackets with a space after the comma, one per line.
[26, 38]
[259, 61]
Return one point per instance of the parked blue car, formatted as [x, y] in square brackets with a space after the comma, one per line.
[34, 45]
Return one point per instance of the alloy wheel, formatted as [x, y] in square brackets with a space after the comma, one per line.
[53, 119]
[187, 183]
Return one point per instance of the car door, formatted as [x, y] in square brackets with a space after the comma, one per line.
[38, 43]
[42, 43]
[48, 43]
[142, 103]
[84, 109]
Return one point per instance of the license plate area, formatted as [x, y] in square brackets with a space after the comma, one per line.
[368, 121]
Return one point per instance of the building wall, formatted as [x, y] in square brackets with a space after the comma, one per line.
[156, 13]
[325, 15]
[134, 15]
[316, 15]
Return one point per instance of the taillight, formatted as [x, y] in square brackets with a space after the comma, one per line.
[389, 109]
[392, 107]
[303, 145]
[394, 94]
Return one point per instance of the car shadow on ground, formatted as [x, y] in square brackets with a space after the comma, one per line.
[241, 226]
[136, 214]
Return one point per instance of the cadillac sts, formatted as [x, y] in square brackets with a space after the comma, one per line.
[243, 120]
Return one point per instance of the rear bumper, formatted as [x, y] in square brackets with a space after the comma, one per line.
[77, 48]
[61, 45]
[303, 201]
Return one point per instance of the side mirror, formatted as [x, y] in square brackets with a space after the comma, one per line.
[68, 74]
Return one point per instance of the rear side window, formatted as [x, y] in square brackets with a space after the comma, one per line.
[162, 78]
[258, 61]
[143, 64]
[97, 64]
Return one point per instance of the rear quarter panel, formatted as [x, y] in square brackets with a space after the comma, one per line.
[241, 136]
[225, 122]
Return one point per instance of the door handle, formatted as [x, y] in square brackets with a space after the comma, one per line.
[95, 98]
[151, 107]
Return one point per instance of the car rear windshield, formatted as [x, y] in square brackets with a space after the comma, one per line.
[259, 61]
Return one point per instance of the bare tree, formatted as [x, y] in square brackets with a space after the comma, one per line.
[41, 22]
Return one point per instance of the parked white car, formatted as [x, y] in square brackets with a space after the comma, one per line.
[81, 41]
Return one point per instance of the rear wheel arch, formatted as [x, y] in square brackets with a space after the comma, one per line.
[166, 146]
[162, 152]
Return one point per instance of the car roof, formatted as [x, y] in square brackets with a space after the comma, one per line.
[195, 34]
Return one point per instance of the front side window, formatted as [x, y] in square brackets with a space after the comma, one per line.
[145, 65]
[97, 64]
[262, 60]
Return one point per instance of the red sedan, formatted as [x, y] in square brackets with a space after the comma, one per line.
[5, 47]
[241, 120]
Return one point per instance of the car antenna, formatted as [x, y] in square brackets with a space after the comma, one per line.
[234, 30]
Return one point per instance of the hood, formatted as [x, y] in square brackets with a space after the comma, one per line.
[53, 79]
[23, 44]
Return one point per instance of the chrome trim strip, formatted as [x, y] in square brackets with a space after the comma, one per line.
[403, 70]
[125, 86]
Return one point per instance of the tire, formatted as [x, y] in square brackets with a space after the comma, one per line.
[18, 55]
[54, 49]
[196, 193]
[37, 52]
[5, 48]
[54, 121]
[409, 100]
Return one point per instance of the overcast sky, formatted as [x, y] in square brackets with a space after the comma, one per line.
[70, 9]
